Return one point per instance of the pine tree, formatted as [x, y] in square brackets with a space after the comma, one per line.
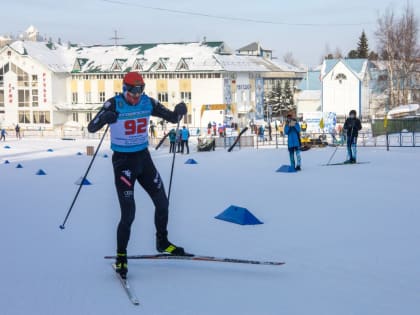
[362, 46]
[353, 54]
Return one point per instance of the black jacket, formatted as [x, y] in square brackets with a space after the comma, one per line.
[352, 126]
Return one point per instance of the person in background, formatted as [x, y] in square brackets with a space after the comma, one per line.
[3, 134]
[185, 135]
[17, 129]
[178, 140]
[352, 126]
[304, 126]
[172, 139]
[128, 115]
[292, 130]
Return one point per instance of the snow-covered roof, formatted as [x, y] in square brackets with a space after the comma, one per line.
[311, 81]
[56, 57]
[193, 56]
[309, 95]
[403, 110]
[284, 66]
[357, 66]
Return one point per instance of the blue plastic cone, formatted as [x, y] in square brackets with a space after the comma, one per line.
[191, 161]
[19, 166]
[6, 162]
[41, 172]
[238, 215]
[50, 150]
[286, 169]
[79, 153]
[7, 147]
[85, 182]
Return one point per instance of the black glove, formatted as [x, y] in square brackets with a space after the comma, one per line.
[109, 117]
[180, 109]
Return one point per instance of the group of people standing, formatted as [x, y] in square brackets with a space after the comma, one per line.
[179, 140]
[292, 129]
[3, 133]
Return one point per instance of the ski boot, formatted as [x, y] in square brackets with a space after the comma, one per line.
[121, 266]
[298, 168]
[164, 246]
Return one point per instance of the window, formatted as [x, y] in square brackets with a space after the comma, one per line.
[186, 97]
[187, 119]
[74, 99]
[1, 77]
[163, 97]
[75, 116]
[101, 97]
[88, 97]
[24, 116]
[88, 117]
[41, 117]
[23, 98]
[22, 76]
[340, 77]
[1, 98]
[35, 98]
[34, 80]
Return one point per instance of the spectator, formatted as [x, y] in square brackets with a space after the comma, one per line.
[172, 139]
[3, 134]
[185, 134]
[292, 130]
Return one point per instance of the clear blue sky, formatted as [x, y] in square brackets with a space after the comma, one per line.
[305, 28]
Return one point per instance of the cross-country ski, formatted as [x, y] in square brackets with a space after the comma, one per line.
[202, 258]
[127, 288]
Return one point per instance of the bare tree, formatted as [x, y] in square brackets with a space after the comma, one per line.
[408, 52]
[398, 47]
[288, 58]
[385, 35]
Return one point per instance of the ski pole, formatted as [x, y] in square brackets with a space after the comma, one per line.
[336, 147]
[83, 179]
[173, 160]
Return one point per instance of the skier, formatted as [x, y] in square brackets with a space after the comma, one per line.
[128, 115]
[352, 125]
[292, 130]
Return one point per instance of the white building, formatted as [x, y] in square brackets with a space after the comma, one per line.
[345, 86]
[44, 85]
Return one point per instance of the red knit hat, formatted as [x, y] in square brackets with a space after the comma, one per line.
[133, 79]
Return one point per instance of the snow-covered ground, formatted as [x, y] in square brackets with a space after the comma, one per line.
[349, 234]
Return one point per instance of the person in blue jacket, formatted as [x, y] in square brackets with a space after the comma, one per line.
[292, 130]
[128, 116]
[172, 139]
[185, 134]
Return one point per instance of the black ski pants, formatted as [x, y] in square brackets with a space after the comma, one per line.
[129, 168]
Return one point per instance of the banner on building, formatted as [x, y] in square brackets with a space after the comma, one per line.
[259, 98]
[314, 119]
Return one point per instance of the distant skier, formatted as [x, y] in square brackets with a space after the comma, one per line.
[292, 130]
[352, 126]
[128, 115]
